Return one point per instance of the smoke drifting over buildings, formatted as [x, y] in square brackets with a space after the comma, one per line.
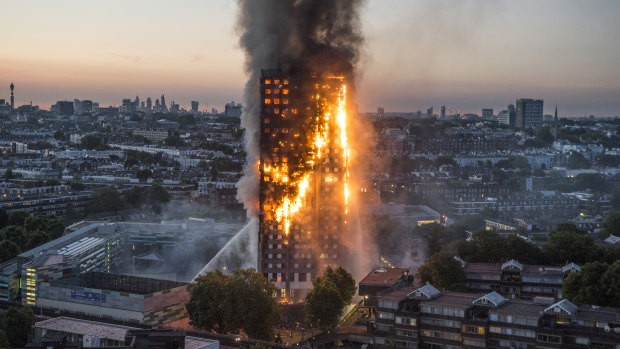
[313, 39]
[291, 36]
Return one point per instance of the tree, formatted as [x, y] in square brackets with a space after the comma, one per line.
[324, 305]
[570, 246]
[59, 136]
[105, 200]
[18, 217]
[242, 301]
[251, 304]
[14, 234]
[515, 247]
[576, 160]
[90, 142]
[16, 324]
[8, 250]
[4, 340]
[343, 280]
[484, 246]
[4, 218]
[35, 238]
[592, 181]
[174, 140]
[611, 225]
[443, 271]
[596, 283]
[51, 225]
[205, 306]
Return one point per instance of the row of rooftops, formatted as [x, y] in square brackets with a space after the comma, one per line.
[390, 276]
[514, 265]
[496, 303]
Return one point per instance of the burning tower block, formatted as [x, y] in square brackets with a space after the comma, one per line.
[304, 177]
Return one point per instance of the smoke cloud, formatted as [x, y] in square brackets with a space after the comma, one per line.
[310, 35]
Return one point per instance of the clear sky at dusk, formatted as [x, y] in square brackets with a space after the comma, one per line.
[463, 54]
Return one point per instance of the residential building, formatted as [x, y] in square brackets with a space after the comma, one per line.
[411, 316]
[529, 113]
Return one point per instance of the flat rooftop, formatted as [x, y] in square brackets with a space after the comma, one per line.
[384, 276]
[107, 331]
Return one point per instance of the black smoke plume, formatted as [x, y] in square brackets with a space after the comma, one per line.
[300, 35]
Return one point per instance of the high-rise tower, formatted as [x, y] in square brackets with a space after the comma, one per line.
[12, 97]
[556, 126]
[303, 172]
[163, 103]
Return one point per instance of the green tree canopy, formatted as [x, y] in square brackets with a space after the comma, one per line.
[611, 225]
[203, 311]
[14, 234]
[105, 200]
[324, 304]
[576, 160]
[18, 217]
[484, 246]
[8, 250]
[90, 142]
[229, 303]
[570, 246]
[443, 272]
[343, 280]
[4, 218]
[4, 340]
[50, 224]
[16, 324]
[596, 283]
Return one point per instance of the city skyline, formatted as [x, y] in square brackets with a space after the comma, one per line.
[465, 55]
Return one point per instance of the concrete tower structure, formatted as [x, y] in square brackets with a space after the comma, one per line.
[12, 97]
[293, 252]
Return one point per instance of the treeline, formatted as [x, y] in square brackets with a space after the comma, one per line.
[108, 199]
[20, 232]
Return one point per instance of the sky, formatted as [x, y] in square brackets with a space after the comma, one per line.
[464, 54]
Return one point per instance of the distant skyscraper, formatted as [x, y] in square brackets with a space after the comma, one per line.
[380, 112]
[443, 111]
[487, 113]
[12, 97]
[194, 106]
[149, 104]
[556, 123]
[163, 103]
[529, 113]
[429, 112]
[136, 102]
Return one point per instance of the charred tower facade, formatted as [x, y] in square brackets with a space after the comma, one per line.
[303, 168]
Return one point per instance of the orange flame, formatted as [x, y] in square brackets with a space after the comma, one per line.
[285, 210]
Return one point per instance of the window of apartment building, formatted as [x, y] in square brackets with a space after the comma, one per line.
[383, 327]
[385, 315]
[439, 322]
[405, 321]
[515, 345]
[474, 342]
[473, 329]
[405, 333]
[384, 303]
[549, 339]
[405, 344]
[453, 312]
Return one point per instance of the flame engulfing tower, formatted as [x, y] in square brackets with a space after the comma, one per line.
[300, 59]
[304, 176]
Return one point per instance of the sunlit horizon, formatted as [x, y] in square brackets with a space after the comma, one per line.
[466, 55]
